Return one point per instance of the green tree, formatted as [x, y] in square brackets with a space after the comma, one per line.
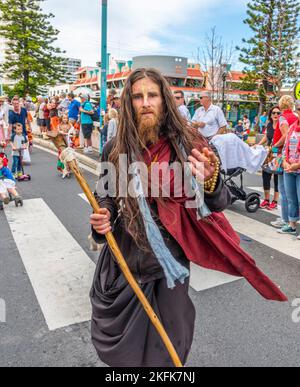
[286, 43]
[270, 55]
[30, 59]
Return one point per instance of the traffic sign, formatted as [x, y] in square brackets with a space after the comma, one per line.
[297, 91]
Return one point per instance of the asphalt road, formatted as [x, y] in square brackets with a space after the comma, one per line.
[235, 326]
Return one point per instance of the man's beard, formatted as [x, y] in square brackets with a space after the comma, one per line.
[148, 128]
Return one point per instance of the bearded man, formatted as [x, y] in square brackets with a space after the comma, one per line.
[159, 236]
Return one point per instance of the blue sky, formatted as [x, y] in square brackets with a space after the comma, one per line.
[173, 27]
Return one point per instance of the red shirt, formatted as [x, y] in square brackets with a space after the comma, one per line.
[46, 112]
[287, 117]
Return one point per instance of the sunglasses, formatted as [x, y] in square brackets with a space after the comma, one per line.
[276, 113]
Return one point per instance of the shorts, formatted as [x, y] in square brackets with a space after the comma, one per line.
[41, 122]
[5, 185]
[87, 130]
[48, 123]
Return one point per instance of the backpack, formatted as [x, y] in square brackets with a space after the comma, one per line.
[95, 116]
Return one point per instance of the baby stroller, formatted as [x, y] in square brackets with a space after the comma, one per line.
[236, 158]
[252, 200]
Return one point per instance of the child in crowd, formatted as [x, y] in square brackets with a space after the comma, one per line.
[19, 143]
[67, 130]
[3, 155]
[7, 186]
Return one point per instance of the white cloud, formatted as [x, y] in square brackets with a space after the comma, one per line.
[135, 26]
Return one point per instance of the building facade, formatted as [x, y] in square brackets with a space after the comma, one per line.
[70, 68]
[181, 75]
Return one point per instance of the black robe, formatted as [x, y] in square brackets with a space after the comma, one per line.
[122, 333]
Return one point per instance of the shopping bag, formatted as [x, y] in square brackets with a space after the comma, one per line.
[26, 157]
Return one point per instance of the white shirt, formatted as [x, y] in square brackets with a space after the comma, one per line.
[112, 129]
[213, 118]
[185, 113]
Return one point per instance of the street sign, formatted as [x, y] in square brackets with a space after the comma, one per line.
[297, 91]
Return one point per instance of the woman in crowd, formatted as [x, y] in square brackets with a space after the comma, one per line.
[274, 115]
[292, 175]
[54, 119]
[286, 120]
[113, 124]
[47, 114]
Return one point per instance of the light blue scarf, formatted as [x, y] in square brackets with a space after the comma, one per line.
[172, 269]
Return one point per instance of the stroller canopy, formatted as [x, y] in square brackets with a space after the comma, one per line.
[235, 153]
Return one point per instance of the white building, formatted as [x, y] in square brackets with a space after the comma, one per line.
[59, 89]
[71, 66]
[4, 80]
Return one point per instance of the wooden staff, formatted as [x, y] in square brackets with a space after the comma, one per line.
[70, 160]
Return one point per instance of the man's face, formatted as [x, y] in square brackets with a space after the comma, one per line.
[205, 101]
[148, 106]
[179, 99]
[16, 104]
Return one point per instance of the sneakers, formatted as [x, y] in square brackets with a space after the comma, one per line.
[265, 204]
[88, 151]
[287, 229]
[279, 223]
[273, 206]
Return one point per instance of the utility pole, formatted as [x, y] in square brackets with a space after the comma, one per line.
[103, 105]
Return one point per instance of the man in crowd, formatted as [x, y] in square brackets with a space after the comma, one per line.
[17, 115]
[209, 119]
[40, 112]
[64, 104]
[74, 107]
[158, 236]
[263, 122]
[181, 106]
[87, 123]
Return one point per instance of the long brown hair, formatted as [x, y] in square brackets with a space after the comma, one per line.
[128, 142]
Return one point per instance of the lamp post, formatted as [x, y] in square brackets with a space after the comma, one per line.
[224, 77]
[103, 104]
[226, 70]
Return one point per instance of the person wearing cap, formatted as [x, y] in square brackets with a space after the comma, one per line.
[209, 119]
[87, 123]
[181, 105]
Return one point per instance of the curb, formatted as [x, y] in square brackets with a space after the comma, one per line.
[89, 162]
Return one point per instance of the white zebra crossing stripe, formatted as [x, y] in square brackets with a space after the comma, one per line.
[264, 234]
[202, 279]
[60, 272]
